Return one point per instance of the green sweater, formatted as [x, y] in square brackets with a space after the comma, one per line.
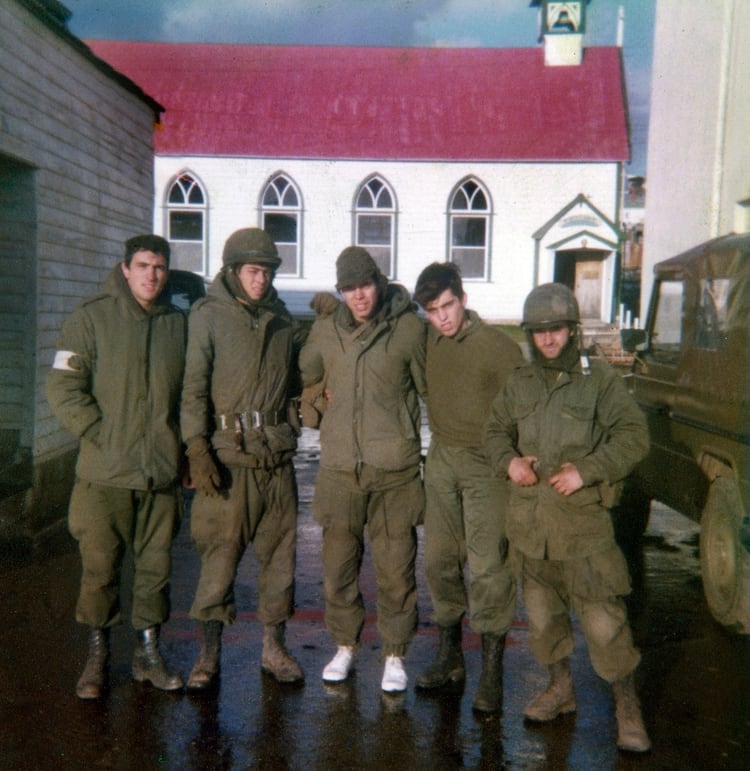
[464, 375]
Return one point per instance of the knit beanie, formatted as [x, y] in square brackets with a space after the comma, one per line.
[355, 267]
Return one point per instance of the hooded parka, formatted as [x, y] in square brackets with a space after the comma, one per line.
[374, 372]
[254, 372]
[589, 420]
[115, 385]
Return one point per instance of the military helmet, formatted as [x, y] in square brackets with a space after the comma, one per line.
[548, 305]
[253, 246]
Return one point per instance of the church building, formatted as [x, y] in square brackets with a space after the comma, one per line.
[507, 162]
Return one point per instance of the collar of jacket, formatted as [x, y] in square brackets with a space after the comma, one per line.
[474, 323]
[116, 285]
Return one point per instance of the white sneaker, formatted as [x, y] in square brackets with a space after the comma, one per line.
[338, 668]
[394, 675]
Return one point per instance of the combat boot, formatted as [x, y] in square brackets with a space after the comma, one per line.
[206, 667]
[489, 695]
[448, 667]
[631, 733]
[91, 682]
[148, 665]
[276, 659]
[558, 699]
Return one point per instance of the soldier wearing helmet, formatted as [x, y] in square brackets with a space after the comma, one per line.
[240, 429]
[566, 432]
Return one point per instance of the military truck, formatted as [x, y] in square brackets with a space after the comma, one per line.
[690, 377]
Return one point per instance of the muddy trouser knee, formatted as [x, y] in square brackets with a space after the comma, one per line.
[592, 587]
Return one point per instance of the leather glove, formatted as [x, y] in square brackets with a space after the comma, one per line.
[204, 475]
[324, 303]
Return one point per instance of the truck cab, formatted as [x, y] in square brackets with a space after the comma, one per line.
[690, 377]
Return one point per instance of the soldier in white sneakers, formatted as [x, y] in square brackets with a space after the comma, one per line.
[370, 354]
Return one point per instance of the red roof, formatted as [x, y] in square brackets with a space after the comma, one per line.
[472, 104]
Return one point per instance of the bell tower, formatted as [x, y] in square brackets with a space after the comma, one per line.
[562, 26]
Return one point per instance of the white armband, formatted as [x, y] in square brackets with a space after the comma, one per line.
[62, 361]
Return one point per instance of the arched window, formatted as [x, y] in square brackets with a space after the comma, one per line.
[469, 215]
[282, 218]
[186, 224]
[375, 223]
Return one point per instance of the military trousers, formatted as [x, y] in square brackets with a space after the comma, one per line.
[464, 525]
[389, 505]
[592, 587]
[259, 508]
[106, 521]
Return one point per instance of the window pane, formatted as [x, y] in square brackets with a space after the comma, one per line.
[711, 325]
[382, 257]
[667, 333]
[364, 201]
[469, 231]
[281, 227]
[479, 202]
[459, 201]
[270, 198]
[288, 254]
[185, 226]
[290, 197]
[373, 229]
[195, 196]
[176, 194]
[471, 262]
[384, 200]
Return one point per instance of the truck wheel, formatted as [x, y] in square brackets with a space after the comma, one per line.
[725, 562]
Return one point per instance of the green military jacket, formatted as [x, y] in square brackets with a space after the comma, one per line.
[589, 420]
[374, 373]
[115, 384]
[240, 360]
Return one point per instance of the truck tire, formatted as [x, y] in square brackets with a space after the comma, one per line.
[725, 562]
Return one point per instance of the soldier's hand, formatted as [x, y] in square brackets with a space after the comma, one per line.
[204, 475]
[567, 480]
[324, 303]
[521, 471]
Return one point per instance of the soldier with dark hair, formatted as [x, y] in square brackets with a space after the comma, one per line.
[115, 384]
[468, 362]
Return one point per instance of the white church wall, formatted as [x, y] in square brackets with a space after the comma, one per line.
[523, 198]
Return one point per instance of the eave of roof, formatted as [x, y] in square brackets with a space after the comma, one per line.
[422, 104]
[55, 16]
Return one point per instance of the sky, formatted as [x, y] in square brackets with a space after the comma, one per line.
[482, 23]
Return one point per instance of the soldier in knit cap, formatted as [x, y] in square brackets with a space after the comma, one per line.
[370, 354]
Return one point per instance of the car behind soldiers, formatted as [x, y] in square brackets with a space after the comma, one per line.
[468, 362]
[236, 412]
[370, 354]
[115, 384]
[566, 432]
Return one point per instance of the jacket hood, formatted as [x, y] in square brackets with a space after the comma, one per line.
[396, 302]
[224, 290]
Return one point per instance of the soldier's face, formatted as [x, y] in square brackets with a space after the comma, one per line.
[447, 313]
[550, 342]
[146, 276]
[362, 300]
[255, 280]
